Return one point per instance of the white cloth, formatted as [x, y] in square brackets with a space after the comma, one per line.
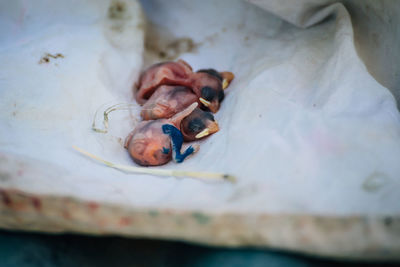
[304, 126]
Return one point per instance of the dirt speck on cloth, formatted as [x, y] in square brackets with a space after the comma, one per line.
[162, 45]
[47, 56]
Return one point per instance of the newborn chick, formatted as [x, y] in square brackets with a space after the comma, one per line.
[165, 73]
[198, 124]
[155, 142]
[208, 85]
[167, 101]
[212, 93]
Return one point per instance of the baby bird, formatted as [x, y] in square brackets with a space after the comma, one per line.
[207, 84]
[198, 125]
[164, 73]
[167, 101]
[156, 142]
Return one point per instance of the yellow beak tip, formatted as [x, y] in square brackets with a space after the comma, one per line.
[225, 84]
[205, 102]
[203, 133]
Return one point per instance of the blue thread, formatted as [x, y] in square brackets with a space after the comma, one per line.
[165, 150]
[177, 141]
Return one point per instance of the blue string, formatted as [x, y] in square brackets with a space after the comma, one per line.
[177, 141]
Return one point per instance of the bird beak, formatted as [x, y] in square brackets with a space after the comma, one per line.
[225, 84]
[227, 77]
[212, 128]
[214, 106]
[203, 133]
[205, 102]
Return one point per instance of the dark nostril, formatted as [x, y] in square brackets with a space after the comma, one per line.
[208, 93]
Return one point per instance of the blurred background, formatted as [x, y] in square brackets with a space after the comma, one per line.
[45, 250]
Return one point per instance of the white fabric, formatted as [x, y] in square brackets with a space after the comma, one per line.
[304, 126]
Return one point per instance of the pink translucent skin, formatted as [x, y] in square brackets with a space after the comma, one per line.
[148, 145]
[167, 101]
[179, 73]
[167, 73]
